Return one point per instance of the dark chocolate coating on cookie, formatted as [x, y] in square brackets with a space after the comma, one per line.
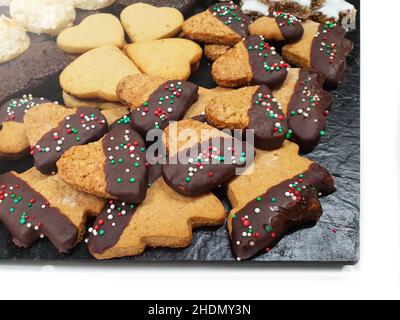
[184, 6]
[267, 65]
[267, 120]
[28, 216]
[115, 217]
[288, 206]
[15, 109]
[307, 110]
[232, 16]
[329, 52]
[210, 166]
[169, 102]
[291, 28]
[85, 126]
[125, 166]
[35, 71]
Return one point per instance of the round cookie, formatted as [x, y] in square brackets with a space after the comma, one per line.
[92, 4]
[14, 39]
[144, 22]
[43, 16]
[94, 31]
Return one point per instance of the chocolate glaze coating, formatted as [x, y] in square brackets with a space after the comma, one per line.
[125, 166]
[267, 65]
[168, 103]
[264, 221]
[291, 28]
[267, 120]
[184, 6]
[28, 216]
[15, 109]
[329, 52]
[195, 176]
[70, 132]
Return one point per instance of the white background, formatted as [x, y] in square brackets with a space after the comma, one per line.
[376, 276]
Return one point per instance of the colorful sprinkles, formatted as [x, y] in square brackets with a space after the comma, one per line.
[327, 47]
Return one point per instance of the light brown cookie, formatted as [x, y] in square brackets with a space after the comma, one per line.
[14, 143]
[214, 51]
[251, 108]
[164, 219]
[252, 61]
[44, 206]
[95, 31]
[74, 102]
[52, 130]
[222, 24]
[114, 167]
[143, 22]
[280, 195]
[167, 58]
[323, 48]
[95, 74]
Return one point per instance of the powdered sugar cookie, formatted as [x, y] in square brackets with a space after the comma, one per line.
[92, 4]
[13, 38]
[44, 16]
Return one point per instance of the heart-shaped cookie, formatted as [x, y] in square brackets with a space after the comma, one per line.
[172, 59]
[96, 74]
[143, 22]
[94, 31]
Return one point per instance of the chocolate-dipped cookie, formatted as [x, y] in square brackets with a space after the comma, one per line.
[250, 62]
[114, 167]
[280, 26]
[223, 23]
[14, 143]
[251, 108]
[155, 102]
[279, 196]
[52, 130]
[33, 206]
[184, 6]
[208, 160]
[306, 106]
[323, 48]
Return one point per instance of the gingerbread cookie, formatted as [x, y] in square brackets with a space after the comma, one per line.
[167, 58]
[155, 102]
[279, 196]
[300, 8]
[95, 74]
[202, 158]
[112, 168]
[215, 51]
[52, 130]
[251, 108]
[73, 102]
[164, 219]
[14, 143]
[34, 206]
[43, 16]
[92, 4]
[252, 61]
[306, 106]
[143, 22]
[334, 10]
[14, 39]
[223, 24]
[323, 48]
[95, 31]
[281, 26]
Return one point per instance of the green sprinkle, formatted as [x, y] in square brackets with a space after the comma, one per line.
[188, 179]
[119, 180]
[102, 232]
[273, 199]
[132, 180]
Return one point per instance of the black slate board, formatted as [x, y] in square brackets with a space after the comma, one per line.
[335, 239]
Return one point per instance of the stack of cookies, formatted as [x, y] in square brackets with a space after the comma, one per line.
[141, 148]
